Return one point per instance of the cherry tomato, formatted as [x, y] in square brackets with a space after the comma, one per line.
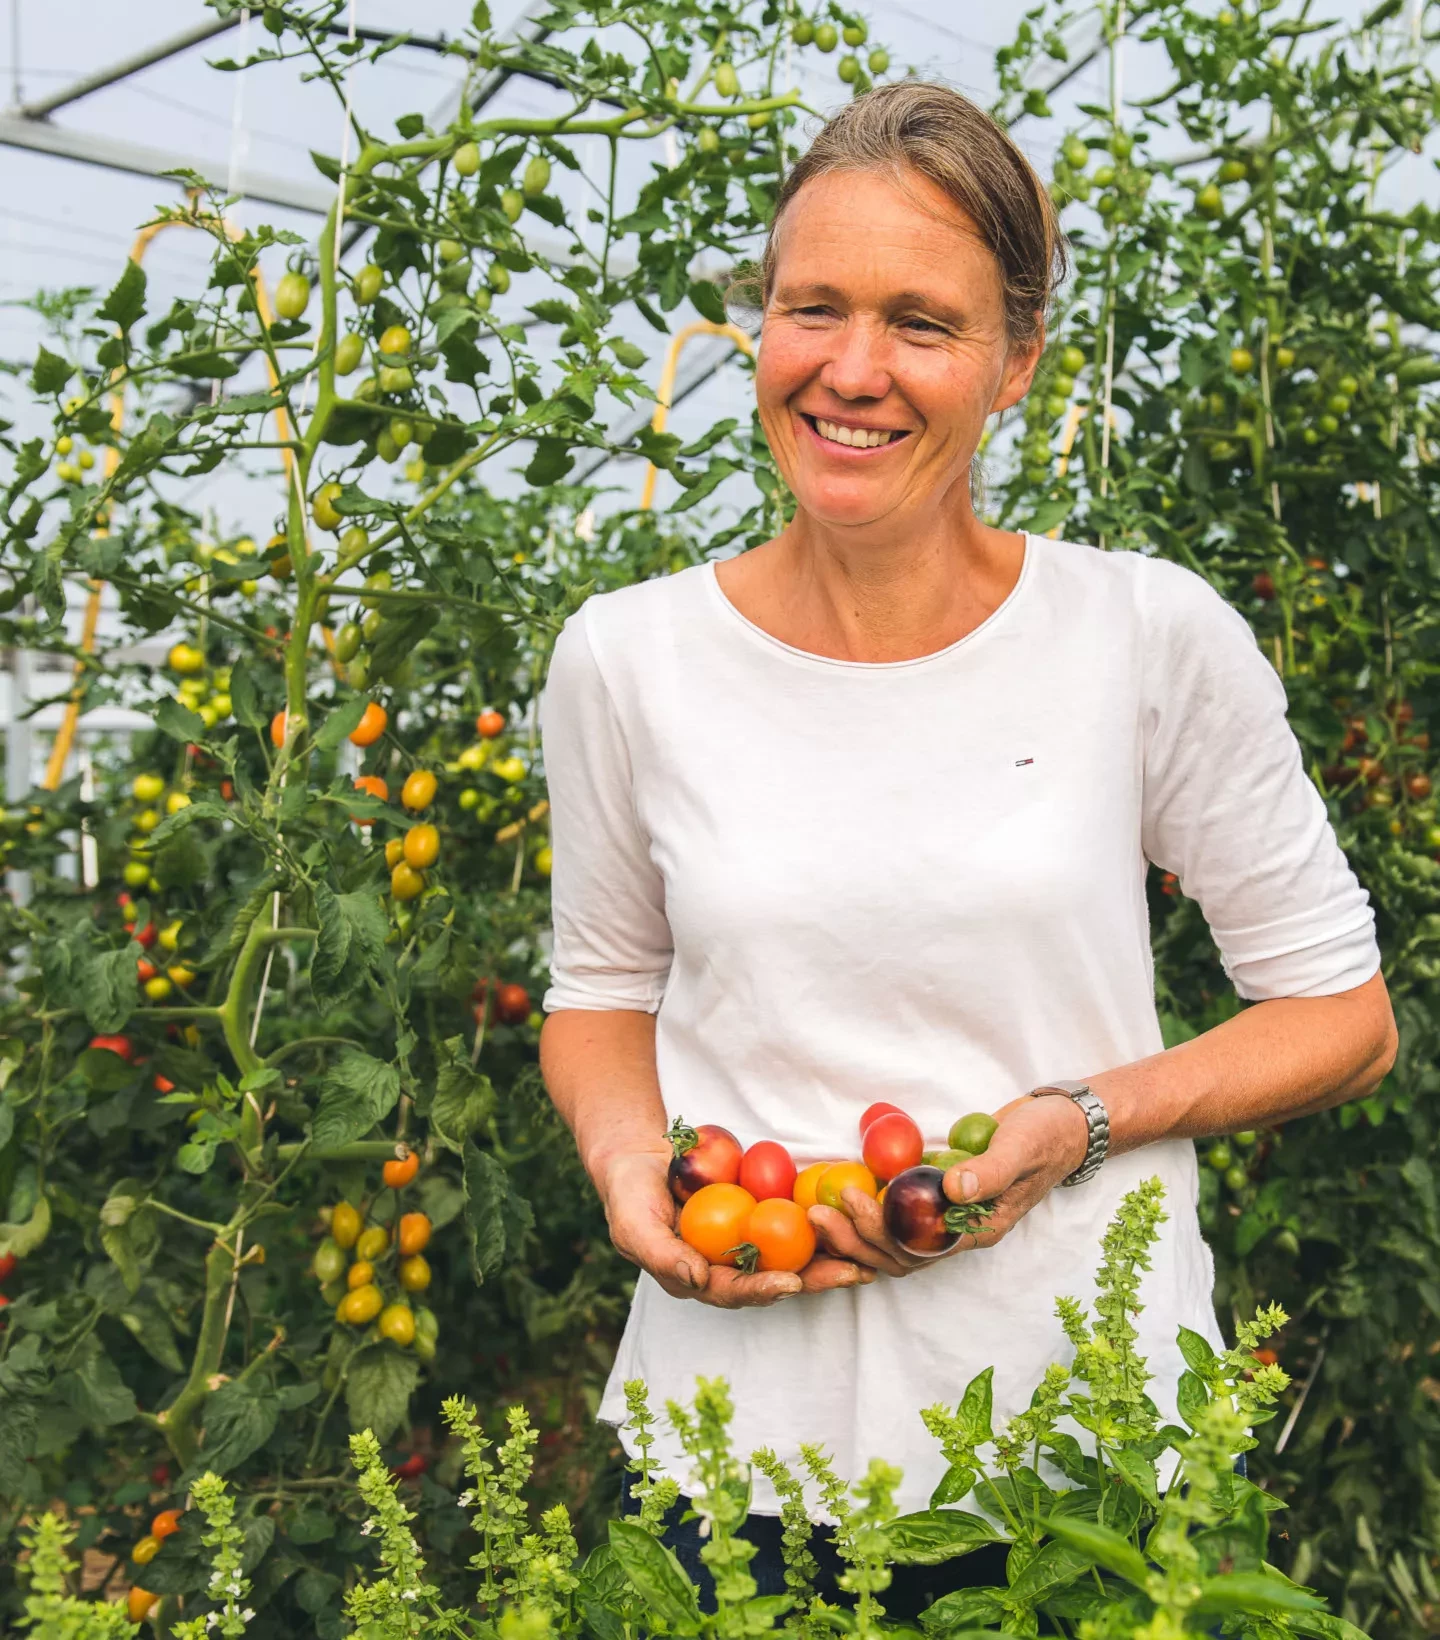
[165, 1524]
[1418, 786]
[115, 1044]
[915, 1208]
[8, 1261]
[418, 792]
[373, 1241]
[145, 935]
[490, 724]
[145, 1550]
[345, 1225]
[767, 1172]
[395, 340]
[406, 883]
[361, 1306]
[807, 1182]
[397, 1323]
[973, 1132]
[414, 1233]
[421, 846]
[411, 1468]
[360, 1274]
[139, 1603]
[376, 787]
[713, 1221]
[277, 729]
[512, 1004]
[399, 1172]
[703, 1155]
[1267, 1358]
[874, 1112]
[780, 1235]
[145, 970]
[323, 510]
[892, 1144]
[371, 726]
[414, 1273]
[328, 1263]
[841, 1176]
[292, 295]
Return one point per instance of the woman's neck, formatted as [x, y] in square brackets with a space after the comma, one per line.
[863, 596]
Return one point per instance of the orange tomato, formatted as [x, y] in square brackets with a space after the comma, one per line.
[406, 883]
[807, 1182]
[414, 1234]
[490, 724]
[781, 1234]
[376, 787]
[421, 845]
[165, 1524]
[277, 729]
[139, 1603]
[399, 1173]
[841, 1176]
[394, 852]
[418, 792]
[713, 1221]
[370, 727]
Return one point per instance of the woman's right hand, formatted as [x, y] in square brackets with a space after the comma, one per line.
[642, 1214]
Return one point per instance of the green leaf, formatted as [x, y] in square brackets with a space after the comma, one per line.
[1050, 513]
[1139, 1471]
[976, 1408]
[1198, 1354]
[1057, 1565]
[659, 448]
[178, 721]
[245, 696]
[708, 302]
[94, 1388]
[1256, 1593]
[378, 1387]
[350, 943]
[1191, 1397]
[1101, 1545]
[463, 1097]
[129, 1231]
[240, 1417]
[110, 989]
[495, 1216]
[955, 1484]
[656, 1576]
[340, 722]
[126, 301]
[553, 458]
[23, 1239]
[628, 354]
[186, 817]
[358, 1091]
[959, 1613]
[936, 1535]
[50, 374]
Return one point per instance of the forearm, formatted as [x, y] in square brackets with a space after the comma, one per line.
[599, 1068]
[1271, 1062]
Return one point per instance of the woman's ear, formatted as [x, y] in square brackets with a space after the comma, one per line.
[1020, 365]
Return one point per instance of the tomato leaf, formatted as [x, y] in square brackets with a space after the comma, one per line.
[463, 1097]
[51, 372]
[351, 940]
[358, 1091]
[495, 1215]
[94, 1388]
[179, 722]
[378, 1387]
[240, 1417]
[656, 1576]
[553, 458]
[339, 723]
[126, 301]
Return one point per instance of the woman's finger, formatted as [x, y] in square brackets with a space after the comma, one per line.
[824, 1274]
[732, 1290]
[839, 1236]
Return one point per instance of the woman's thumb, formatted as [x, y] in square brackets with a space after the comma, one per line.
[983, 1177]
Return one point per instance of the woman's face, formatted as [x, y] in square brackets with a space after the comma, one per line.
[884, 349]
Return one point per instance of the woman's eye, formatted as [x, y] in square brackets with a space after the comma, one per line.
[915, 323]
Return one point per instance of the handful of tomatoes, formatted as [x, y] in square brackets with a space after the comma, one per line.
[749, 1208]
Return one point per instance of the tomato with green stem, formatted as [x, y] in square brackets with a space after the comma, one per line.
[703, 1156]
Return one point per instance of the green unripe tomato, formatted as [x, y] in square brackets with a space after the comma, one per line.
[329, 1262]
[1310, 436]
[1284, 358]
[468, 798]
[856, 33]
[382, 582]
[1244, 429]
[826, 37]
[368, 284]
[1286, 1241]
[1236, 1178]
[878, 61]
[537, 177]
[973, 1132]
[1072, 360]
[454, 277]
[1121, 143]
[423, 432]
[1055, 406]
[386, 447]
[292, 296]
[355, 540]
[1347, 385]
[396, 378]
[1219, 1156]
[349, 351]
[848, 68]
[401, 430]
[1234, 170]
[759, 120]
[1209, 203]
[512, 202]
[1104, 176]
[1246, 1140]
[727, 81]
[357, 673]
[466, 159]
[371, 622]
[802, 31]
[1064, 384]
[1076, 152]
[1337, 404]
[708, 142]
[498, 278]
[480, 299]
[1106, 204]
[347, 643]
[1327, 425]
[450, 250]
[1242, 360]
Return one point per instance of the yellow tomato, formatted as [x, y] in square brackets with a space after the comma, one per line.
[360, 1274]
[418, 792]
[362, 1305]
[175, 802]
[544, 860]
[158, 988]
[139, 1603]
[373, 1241]
[406, 883]
[168, 938]
[146, 787]
[397, 1323]
[145, 1550]
[415, 1273]
[807, 1182]
[345, 1224]
[181, 975]
[841, 1176]
[422, 846]
[185, 658]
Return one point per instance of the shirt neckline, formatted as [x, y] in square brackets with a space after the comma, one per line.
[808, 656]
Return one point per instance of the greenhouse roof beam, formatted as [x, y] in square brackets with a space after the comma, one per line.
[43, 107]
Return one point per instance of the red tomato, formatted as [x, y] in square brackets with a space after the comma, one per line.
[781, 1235]
[8, 1261]
[766, 1171]
[145, 935]
[703, 1155]
[115, 1044]
[145, 969]
[714, 1221]
[163, 1084]
[892, 1144]
[512, 1004]
[409, 1468]
[874, 1112]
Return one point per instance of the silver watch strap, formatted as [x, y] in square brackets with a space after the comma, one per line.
[1097, 1123]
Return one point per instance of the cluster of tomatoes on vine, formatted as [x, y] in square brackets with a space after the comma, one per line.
[748, 1208]
[371, 1271]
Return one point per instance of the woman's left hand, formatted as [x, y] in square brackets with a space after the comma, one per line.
[1039, 1142]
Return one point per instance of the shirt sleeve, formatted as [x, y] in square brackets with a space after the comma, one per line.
[612, 943]
[1229, 808]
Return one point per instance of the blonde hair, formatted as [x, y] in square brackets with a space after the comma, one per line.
[919, 126]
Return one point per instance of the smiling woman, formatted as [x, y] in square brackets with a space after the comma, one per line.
[752, 926]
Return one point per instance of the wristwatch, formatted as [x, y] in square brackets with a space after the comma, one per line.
[1097, 1122]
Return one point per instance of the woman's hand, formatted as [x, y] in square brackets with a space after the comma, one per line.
[642, 1214]
[1039, 1142]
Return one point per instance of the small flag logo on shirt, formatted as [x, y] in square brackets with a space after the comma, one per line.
[1020, 762]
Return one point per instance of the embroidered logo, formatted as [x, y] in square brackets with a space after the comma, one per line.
[1020, 762]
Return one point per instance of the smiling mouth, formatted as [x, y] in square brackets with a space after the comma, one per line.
[854, 438]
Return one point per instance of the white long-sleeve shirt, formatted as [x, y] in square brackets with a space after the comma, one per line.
[924, 881]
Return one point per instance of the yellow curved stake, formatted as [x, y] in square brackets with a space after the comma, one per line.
[701, 327]
[65, 735]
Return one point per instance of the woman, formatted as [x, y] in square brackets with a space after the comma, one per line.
[866, 814]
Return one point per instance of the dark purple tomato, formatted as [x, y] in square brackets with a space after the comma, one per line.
[703, 1155]
[915, 1208]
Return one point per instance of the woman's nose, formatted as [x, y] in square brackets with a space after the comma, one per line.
[858, 368]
